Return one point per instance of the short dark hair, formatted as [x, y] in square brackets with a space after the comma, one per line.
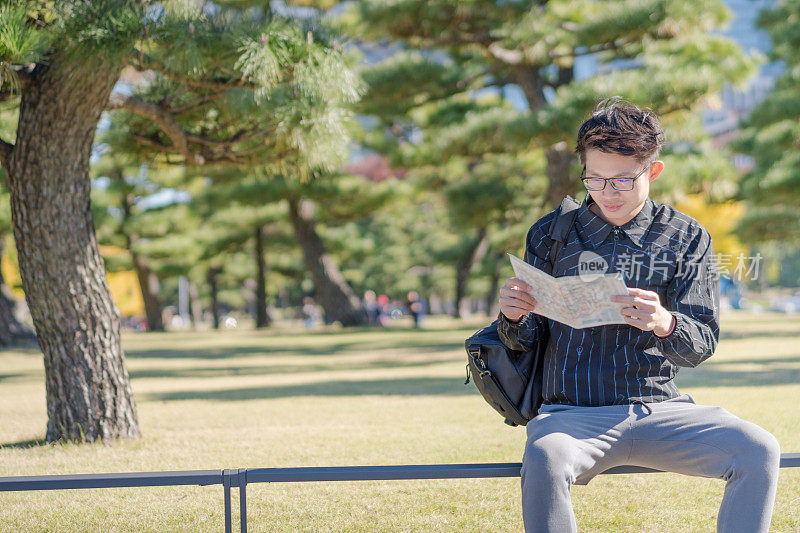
[620, 127]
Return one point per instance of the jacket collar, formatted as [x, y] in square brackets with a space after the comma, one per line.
[596, 230]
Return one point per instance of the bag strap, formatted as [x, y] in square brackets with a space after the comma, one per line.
[559, 227]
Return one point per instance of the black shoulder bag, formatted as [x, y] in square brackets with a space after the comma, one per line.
[511, 380]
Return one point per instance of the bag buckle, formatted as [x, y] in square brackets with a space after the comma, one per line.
[475, 353]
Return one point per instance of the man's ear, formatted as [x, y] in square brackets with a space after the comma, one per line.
[655, 169]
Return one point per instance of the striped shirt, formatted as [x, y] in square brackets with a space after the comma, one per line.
[660, 250]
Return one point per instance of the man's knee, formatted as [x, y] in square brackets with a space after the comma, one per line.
[756, 448]
[766, 449]
[549, 456]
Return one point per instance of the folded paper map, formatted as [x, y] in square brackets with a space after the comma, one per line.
[576, 301]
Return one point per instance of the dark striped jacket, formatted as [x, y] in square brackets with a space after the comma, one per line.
[661, 250]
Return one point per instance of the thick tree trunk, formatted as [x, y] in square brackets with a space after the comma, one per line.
[559, 158]
[11, 331]
[561, 181]
[476, 251]
[262, 319]
[89, 395]
[148, 282]
[333, 293]
[532, 85]
[212, 285]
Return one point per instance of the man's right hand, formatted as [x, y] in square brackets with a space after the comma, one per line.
[515, 301]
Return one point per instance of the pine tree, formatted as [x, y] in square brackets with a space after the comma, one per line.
[658, 53]
[120, 190]
[240, 218]
[771, 135]
[310, 210]
[227, 84]
[444, 54]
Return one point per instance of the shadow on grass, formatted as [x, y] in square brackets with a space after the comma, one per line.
[710, 377]
[761, 361]
[391, 330]
[425, 386]
[319, 350]
[383, 387]
[208, 372]
[12, 376]
[738, 335]
[33, 443]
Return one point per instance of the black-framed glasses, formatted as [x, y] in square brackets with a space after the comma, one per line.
[619, 184]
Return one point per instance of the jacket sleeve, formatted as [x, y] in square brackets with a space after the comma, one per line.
[693, 299]
[523, 335]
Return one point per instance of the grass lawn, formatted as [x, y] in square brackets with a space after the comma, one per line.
[287, 397]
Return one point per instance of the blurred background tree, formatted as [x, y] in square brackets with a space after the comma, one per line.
[461, 94]
[771, 136]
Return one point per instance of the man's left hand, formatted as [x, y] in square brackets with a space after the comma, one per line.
[643, 310]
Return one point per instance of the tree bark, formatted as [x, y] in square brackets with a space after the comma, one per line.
[262, 319]
[532, 85]
[333, 293]
[559, 158]
[148, 281]
[212, 285]
[88, 390]
[476, 251]
[11, 331]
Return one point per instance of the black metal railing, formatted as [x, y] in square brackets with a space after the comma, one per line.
[240, 477]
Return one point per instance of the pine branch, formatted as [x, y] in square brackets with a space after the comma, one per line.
[219, 150]
[517, 56]
[467, 82]
[209, 157]
[24, 74]
[240, 136]
[511, 57]
[160, 116]
[6, 95]
[5, 153]
[143, 63]
[464, 39]
[18, 78]
[195, 104]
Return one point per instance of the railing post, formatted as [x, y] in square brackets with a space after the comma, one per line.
[226, 484]
[243, 499]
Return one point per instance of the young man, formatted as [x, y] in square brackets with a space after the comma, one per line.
[609, 394]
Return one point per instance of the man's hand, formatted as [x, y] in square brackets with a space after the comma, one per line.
[644, 311]
[515, 301]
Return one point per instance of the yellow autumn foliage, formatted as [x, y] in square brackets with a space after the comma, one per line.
[719, 220]
[10, 270]
[124, 285]
[125, 291]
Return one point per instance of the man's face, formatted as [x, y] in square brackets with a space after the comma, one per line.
[618, 207]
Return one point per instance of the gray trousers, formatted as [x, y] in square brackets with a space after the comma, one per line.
[570, 445]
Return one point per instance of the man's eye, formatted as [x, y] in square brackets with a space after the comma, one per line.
[623, 181]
